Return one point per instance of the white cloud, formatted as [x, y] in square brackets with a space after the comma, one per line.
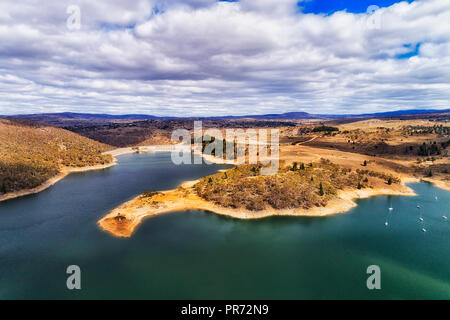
[203, 57]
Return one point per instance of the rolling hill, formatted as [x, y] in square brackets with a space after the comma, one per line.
[32, 153]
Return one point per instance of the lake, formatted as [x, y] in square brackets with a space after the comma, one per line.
[199, 255]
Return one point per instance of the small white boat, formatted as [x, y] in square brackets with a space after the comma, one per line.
[421, 219]
[418, 207]
[444, 217]
[424, 230]
[436, 198]
[386, 223]
[390, 209]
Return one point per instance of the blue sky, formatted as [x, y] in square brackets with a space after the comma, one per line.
[215, 58]
[353, 6]
[331, 6]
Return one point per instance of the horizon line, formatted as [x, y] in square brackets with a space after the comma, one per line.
[225, 116]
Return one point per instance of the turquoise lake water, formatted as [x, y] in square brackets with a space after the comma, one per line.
[200, 255]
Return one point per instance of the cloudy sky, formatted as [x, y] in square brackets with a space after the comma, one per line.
[207, 57]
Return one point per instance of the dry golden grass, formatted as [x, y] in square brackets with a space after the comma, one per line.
[31, 154]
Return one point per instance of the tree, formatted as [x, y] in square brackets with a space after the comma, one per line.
[321, 193]
[302, 166]
[295, 166]
[389, 181]
[325, 128]
[359, 185]
[365, 163]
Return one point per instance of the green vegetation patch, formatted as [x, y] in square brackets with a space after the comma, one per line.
[296, 186]
[325, 129]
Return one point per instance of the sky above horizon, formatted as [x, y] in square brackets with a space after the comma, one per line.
[215, 58]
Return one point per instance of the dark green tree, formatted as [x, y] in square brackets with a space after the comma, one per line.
[321, 193]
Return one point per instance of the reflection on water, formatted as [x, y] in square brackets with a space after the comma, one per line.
[196, 254]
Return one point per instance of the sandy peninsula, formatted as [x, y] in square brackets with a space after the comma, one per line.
[122, 221]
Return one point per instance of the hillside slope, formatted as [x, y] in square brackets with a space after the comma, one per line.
[31, 154]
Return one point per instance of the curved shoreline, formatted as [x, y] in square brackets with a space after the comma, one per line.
[438, 183]
[50, 182]
[140, 149]
[68, 170]
[343, 203]
[123, 220]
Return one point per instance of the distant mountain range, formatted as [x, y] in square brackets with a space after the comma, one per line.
[84, 116]
[392, 113]
[282, 116]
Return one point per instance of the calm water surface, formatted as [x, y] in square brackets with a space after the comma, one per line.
[199, 255]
